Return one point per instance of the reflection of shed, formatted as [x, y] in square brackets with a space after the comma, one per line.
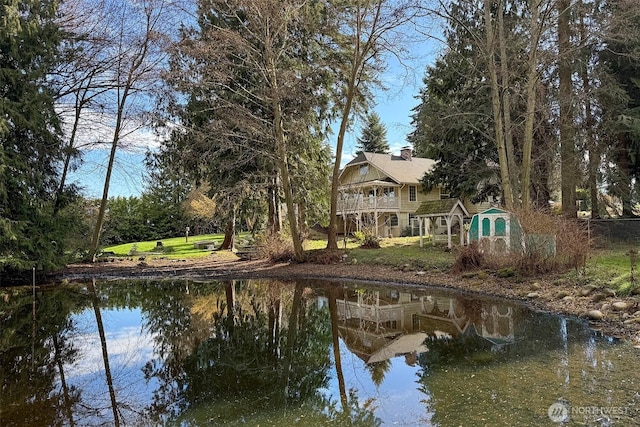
[497, 324]
[499, 230]
[451, 210]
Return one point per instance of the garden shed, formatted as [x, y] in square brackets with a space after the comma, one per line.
[498, 229]
[452, 211]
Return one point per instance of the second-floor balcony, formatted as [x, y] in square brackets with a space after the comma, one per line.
[351, 203]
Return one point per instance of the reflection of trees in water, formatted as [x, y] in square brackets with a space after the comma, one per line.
[241, 361]
[261, 349]
[33, 352]
[105, 352]
[351, 412]
[378, 370]
[222, 352]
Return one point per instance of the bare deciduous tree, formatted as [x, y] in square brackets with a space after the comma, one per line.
[136, 53]
[370, 29]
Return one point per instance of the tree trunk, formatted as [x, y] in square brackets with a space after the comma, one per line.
[274, 221]
[280, 137]
[496, 105]
[229, 232]
[127, 74]
[332, 238]
[592, 145]
[97, 231]
[505, 85]
[367, 33]
[568, 165]
[532, 82]
[624, 184]
[283, 164]
[69, 151]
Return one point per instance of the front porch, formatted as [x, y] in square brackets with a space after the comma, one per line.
[358, 203]
[381, 224]
[372, 206]
[371, 196]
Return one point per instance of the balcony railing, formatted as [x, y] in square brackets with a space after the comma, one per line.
[367, 203]
[370, 313]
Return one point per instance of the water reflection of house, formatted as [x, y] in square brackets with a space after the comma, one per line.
[380, 324]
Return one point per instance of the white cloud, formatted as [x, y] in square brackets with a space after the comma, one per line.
[95, 130]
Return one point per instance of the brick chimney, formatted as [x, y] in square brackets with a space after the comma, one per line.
[406, 152]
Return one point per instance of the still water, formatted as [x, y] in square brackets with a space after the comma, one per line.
[273, 353]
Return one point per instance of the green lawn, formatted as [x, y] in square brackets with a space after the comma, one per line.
[396, 252]
[400, 252]
[175, 247]
[612, 267]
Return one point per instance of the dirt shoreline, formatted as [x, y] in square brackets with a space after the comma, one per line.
[621, 315]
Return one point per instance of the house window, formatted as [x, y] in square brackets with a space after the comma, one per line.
[364, 169]
[413, 193]
[444, 193]
[393, 220]
[443, 221]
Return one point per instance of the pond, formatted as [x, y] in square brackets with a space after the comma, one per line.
[277, 353]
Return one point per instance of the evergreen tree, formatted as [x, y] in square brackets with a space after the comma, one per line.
[452, 124]
[374, 136]
[251, 123]
[455, 122]
[620, 98]
[30, 144]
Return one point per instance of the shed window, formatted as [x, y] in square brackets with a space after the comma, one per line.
[501, 227]
[486, 227]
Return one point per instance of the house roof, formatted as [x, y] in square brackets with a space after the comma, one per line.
[403, 344]
[395, 167]
[444, 207]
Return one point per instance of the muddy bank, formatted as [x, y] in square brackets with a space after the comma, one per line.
[613, 315]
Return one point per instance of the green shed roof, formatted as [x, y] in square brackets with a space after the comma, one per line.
[440, 207]
[493, 211]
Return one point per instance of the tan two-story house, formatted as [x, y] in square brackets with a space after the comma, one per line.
[382, 192]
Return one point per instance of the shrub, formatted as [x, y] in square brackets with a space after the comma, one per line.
[572, 242]
[275, 248]
[370, 242]
[325, 256]
[468, 257]
[359, 236]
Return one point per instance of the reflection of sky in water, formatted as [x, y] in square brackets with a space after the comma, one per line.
[129, 349]
[395, 400]
[552, 358]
